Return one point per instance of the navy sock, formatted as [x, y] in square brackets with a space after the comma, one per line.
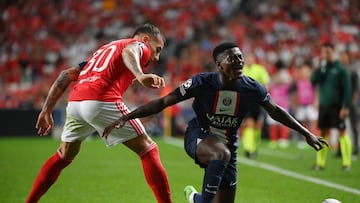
[212, 179]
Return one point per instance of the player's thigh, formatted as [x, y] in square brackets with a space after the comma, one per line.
[101, 114]
[202, 146]
[75, 127]
[191, 140]
[211, 148]
[193, 136]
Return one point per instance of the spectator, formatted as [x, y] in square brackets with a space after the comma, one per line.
[305, 99]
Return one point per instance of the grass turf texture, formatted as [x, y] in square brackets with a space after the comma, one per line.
[101, 174]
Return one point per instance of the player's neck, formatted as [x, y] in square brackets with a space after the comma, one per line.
[228, 82]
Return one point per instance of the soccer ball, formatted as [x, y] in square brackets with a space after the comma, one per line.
[330, 200]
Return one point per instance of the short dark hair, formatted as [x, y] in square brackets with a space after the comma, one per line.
[149, 29]
[221, 48]
[328, 45]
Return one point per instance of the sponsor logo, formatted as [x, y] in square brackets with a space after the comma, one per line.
[223, 121]
[89, 79]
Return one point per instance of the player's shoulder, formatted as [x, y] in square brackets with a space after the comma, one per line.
[206, 76]
[249, 82]
[129, 41]
[209, 78]
[199, 83]
[201, 79]
[248, 79]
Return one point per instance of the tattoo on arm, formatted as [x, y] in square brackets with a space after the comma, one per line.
[59, 87]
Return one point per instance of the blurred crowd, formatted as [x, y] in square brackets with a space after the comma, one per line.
[39, 38]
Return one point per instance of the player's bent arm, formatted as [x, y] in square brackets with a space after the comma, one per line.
[59, 86]
[131, 57]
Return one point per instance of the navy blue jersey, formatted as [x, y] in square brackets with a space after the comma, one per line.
[218, 110]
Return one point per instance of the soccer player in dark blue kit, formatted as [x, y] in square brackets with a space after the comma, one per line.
[221, 100]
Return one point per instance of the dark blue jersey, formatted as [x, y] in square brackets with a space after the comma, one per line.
[219, 110]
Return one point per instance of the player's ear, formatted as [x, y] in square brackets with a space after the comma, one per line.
[146, 38]
[219, 65]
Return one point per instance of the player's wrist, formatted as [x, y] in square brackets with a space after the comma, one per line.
[47, 109]
[139, 76]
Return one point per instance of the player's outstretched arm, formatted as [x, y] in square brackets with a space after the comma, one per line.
[282, 116]
[45, 121]
[148, 109]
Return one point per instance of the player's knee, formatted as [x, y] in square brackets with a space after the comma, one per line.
[139, 144]
[224, 155]
[68, 151]
[220, 154]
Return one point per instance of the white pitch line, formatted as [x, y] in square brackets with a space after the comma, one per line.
[275, 169]
[277, 154]
[299, 176]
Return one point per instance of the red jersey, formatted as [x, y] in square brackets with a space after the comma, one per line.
[105, 76]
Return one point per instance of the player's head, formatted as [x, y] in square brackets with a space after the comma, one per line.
[151, 35]
[150, 30]
[219, 49]
[229, 59]
[327, 51]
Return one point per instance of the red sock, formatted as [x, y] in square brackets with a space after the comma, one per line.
[284, 132]
[273, 133]
[155, 174]
[47, 176]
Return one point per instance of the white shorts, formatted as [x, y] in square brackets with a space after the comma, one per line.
[306, 113]
[83, 118]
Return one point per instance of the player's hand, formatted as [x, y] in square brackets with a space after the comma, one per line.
[316, 142]
[151, 80]
[45, 123]
[117, 124]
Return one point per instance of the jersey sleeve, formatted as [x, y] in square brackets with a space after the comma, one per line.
[145, 53]
[82, 64]
[264, 96]
[188, 89]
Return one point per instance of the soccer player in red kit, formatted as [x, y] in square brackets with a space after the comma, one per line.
[96, 101]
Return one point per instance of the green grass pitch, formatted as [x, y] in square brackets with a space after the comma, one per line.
[101, 174]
